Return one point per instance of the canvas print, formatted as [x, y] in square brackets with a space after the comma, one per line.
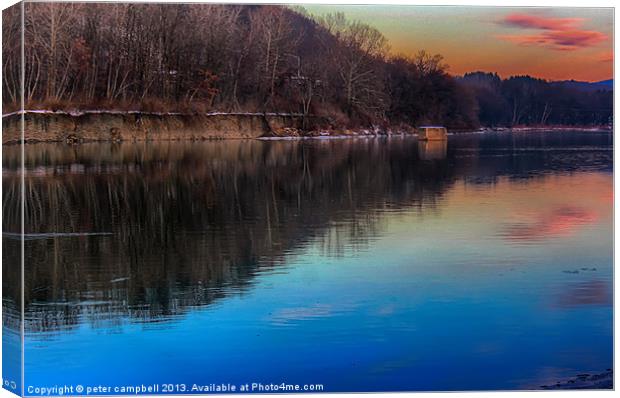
[206, 198]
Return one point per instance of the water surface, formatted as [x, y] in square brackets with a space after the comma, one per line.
[368, 264]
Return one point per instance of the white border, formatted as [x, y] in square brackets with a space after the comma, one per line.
[503, 3]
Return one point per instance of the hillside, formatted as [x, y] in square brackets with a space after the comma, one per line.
[604, 85]
[203, 58]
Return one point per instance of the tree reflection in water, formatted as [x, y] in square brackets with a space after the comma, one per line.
[191, 222]
[188, 223]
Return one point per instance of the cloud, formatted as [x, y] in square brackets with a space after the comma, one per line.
[537, 22]
[560, 34]
[559, 40]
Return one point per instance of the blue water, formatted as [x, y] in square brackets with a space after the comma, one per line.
[360, 265]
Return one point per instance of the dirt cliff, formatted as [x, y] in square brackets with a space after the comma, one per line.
[142, 126]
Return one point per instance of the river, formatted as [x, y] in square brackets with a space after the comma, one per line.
[361, 264]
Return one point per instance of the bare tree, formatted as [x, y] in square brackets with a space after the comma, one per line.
[50, 37]
[358, 55]
[11, 55]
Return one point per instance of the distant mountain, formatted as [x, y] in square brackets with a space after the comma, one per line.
[603, 85]
[606, 83]
[485, 79]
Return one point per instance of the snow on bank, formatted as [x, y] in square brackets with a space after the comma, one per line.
[116, 112]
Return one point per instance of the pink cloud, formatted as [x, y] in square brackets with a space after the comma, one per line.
[561, 34]
[568, 40]
[537, 22]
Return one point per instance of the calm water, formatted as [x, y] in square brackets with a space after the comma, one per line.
[360, 264]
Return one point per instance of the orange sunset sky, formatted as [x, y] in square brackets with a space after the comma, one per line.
[550, 43]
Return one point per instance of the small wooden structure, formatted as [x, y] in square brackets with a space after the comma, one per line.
[432, 133]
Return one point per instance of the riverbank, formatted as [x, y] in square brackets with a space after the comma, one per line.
[107, 125]
[112, 125]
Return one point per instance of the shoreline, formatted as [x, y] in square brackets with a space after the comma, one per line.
[77, 126]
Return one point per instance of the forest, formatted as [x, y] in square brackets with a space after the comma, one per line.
[261, 58]
[524, 100]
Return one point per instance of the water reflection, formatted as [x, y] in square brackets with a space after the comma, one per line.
[369, 246]
[560, 221]
[432, 150]
[589, 293]
[188, 223]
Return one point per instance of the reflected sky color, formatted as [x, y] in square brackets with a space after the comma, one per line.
[482, 270]
[559, 43]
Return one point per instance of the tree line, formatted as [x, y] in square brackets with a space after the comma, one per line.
[259, 58]
[524, 100]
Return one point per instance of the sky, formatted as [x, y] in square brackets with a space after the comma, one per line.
[558, 43]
